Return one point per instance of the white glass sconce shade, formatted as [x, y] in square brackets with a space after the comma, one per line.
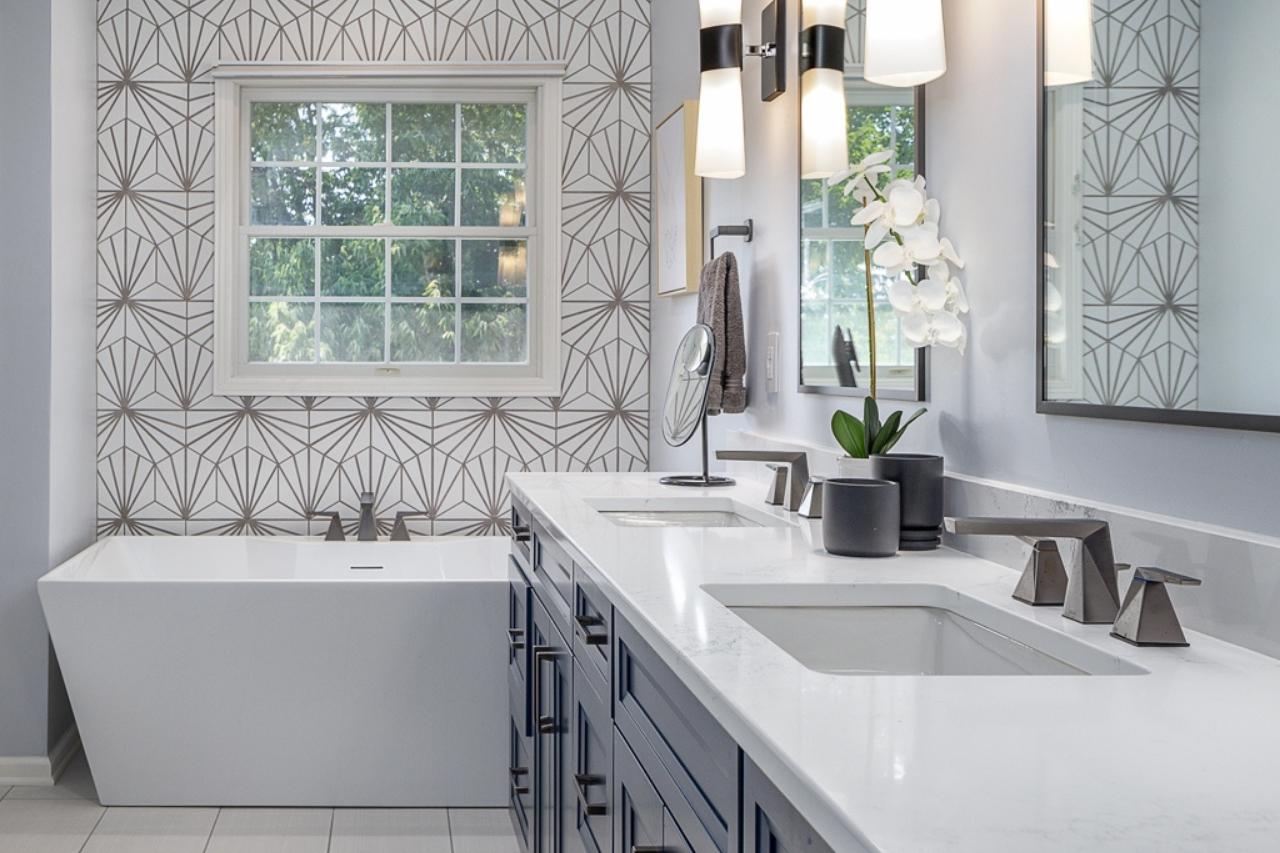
[906, 44]
[1068, 42]
[824, 124]
[722, 146]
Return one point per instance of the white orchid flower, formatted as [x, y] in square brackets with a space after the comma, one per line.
[856, 177]
[926, 311]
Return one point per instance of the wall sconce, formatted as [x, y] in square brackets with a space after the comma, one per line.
[1068, 42]
[905, 45]
[824, 108]
[721, 148]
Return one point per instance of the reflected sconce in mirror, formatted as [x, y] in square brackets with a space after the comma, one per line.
[906, 44]
[1068, 42]
[824, 111]
[721, 149]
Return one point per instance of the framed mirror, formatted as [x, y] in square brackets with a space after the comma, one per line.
[835, 336]
[1153, 304]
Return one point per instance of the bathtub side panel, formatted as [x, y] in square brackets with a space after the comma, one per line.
[286, 694]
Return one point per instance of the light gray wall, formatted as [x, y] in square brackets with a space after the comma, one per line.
[25, 258]
[982, 166]
[47, 276]
[1238, 302]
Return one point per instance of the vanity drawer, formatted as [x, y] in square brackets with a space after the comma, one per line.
[638, 823]
[521, 532]
[552, 575]
[520, 764]
[770, 824]
[592, 764]
[688, 755]
[518, 623]
[592, 631]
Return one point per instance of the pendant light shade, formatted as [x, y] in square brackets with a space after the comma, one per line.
[905, 42]
[1068, 42]
[824, 111]
[721, 148]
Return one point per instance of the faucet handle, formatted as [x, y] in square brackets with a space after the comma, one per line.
[777, 493]
[811, 503]
[335, 532]
[1147, 617]
[400, 531]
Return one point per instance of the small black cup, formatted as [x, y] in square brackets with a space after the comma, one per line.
[860, 518]
[921, 479]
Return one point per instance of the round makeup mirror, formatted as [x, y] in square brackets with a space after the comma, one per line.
[686, 405]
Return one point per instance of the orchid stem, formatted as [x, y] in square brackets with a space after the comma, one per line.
[871, 320]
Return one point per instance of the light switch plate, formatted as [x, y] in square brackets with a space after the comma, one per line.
[771, 363]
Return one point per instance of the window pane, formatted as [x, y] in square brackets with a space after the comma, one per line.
[423, 333]
[422, 133]
[422, 197]
[283, 131]
[493, 197]
[282, 196]
[354, 196]
[495, 333]
[281, 267]
[282, 332]
[352, 333]
[352, 268]
[354, 132]
[494, 269]
[422, 268]
[818, 337]
[817, 278]
[493, 133]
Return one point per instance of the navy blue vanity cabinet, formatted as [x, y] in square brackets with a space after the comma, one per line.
[770, 824]
[689, 757]
[592, 764]
[520, 763]
[551, 683]
[639, 815]
[553, 575]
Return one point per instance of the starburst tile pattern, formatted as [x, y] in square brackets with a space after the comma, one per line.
[174, 458]
[1141, 189]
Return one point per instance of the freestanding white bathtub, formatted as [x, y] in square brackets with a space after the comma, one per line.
[287, 672]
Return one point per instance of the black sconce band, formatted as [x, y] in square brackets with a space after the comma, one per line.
[823, 47]
[722, 47]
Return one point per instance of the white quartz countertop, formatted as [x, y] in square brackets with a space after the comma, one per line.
[1184, 758]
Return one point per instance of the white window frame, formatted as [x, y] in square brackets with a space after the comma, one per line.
[236, 85]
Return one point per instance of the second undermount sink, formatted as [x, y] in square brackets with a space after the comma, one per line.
[683, 512]
[909, 629]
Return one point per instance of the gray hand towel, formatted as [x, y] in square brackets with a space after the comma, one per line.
[720, 307]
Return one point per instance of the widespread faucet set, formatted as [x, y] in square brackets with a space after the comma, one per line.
[1088, 594]
[368, 530]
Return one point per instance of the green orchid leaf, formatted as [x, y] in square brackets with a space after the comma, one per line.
[849, 434]
[871, 421]
[888, 433]
[903, 430]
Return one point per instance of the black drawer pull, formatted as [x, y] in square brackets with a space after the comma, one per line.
[521, 533]
[582, 782]
[586, 623]
[516, 635]
[541, 654]
[520, 790]
[517, 772]
[547, 725]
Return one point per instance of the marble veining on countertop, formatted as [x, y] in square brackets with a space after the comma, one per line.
[1183, 758]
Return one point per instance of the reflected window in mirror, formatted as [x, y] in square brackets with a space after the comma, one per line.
[835, 337]
[1149, 310]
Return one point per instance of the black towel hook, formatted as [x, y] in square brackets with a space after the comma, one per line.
[748, 231]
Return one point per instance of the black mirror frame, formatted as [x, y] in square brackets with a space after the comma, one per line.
[1044, 406]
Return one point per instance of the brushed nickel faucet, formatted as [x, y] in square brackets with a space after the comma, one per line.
[1092, 594]
[1147, 617]
[368, 524]
[797, 461]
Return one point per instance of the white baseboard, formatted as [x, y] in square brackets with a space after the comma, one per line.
[41, 770]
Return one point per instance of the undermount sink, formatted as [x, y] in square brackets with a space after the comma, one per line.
[683, 512]
[909, 629]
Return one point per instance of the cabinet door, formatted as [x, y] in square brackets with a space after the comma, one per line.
[638, 811]
[521, 794]
[592, 764]
[550, 681]
[770, 824]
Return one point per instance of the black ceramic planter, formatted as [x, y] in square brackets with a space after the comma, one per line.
[860, 517]
[920, 478]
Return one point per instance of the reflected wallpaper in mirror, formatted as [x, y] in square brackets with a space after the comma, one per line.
[1154, 204]
[833, 297]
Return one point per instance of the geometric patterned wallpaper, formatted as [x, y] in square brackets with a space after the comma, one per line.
[1141, 206]
[172, 457]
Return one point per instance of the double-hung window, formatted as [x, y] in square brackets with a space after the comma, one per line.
[387, 231]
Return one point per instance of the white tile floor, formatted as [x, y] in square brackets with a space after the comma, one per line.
[67, 817]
